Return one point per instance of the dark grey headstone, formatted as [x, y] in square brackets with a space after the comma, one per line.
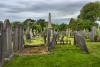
[80, 42]
[1, 43]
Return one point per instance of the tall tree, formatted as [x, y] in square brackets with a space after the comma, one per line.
[90, 11]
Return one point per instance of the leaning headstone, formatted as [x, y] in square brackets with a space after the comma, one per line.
[80, 42]
[8, 46]
[1, 43]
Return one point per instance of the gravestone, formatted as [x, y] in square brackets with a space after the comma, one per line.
[44, 34]
[1, 43]
[62, 38]
[91, 36]
[7, 40]
[15, 39]
[80, 42]
[53, 42]
[82, 32]
[18, 38]
[68, 41]
[92, 33]
[72, 33]
[28, 36]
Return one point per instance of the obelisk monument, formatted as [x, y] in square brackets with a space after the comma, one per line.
[49, 32]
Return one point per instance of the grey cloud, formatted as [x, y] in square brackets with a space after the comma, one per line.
[20, 7]
[44, 7]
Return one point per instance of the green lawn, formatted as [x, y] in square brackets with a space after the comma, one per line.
[35, 41]
[65, 56]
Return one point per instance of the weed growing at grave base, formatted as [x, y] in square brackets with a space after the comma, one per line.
[62, 56]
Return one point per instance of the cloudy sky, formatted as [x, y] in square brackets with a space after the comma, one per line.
[62, 10]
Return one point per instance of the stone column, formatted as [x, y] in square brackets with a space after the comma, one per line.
[49, 33]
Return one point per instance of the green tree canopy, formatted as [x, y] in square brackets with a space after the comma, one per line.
[90, 11]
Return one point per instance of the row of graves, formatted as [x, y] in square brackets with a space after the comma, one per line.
[54, 38]
[51, 38]
[11, 40]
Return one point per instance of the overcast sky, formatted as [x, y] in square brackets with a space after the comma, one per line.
[62, 10]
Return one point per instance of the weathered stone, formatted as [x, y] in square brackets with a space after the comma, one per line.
[18, 38]
[1, 43]
[8, 46]
[91, 36]
[80, 42]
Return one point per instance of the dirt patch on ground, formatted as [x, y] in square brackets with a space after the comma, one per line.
[33, 51]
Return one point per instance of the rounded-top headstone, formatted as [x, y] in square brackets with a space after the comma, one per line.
[7, 23]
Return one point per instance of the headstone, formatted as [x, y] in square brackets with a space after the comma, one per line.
[92, 33]
[62, 38]
[1, 43]
[49, 40]
[80, 42]
[8, 46]
[44, 34]
[91, 36]
[15, 39]
[31, 34]
[18, 38]
[28, 36]
[72, 33]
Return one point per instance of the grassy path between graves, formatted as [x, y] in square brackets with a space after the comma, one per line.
[63, 56]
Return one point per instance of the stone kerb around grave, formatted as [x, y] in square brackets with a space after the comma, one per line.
[7, 40]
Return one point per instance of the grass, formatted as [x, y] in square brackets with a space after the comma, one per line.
[34, 41]
[62, 56]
